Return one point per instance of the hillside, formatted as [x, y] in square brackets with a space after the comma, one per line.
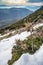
[33, 42]
[30, 18]
[24, 36]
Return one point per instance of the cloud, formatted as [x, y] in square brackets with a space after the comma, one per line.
[21, 2]
[35, 4]
[15, 1]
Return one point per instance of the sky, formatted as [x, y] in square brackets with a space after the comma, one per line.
[29, 4]
[22, 2]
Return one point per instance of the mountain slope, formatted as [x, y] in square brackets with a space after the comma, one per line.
[29, 18]
[13, 13]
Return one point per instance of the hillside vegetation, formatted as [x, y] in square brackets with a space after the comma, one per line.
[31, 18]
[32, 43]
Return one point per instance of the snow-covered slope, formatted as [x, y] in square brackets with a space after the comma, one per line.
[26, 59]
[7, 44]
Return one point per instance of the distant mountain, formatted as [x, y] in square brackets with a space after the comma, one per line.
[11, 15]
[2, 5]
[14, 13]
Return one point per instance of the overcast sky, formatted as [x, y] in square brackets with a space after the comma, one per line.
[22, 2]
[29, 4]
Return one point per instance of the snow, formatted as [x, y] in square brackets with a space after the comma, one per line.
[6, 49]
[37, 25]
[7, 44]
[35, 59]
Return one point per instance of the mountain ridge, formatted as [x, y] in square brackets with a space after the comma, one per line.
[12, 15]
[11, 11]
